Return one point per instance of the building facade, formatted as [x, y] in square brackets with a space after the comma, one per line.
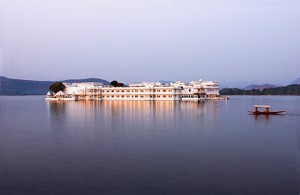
[179, 91]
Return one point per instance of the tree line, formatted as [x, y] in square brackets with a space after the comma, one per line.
[284, 90]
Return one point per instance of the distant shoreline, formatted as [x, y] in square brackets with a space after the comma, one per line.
[18, 87]
[21, 95]
[284, 90]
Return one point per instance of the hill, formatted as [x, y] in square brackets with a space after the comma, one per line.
[287, 90]
[297, 81]
[86, 80]
[259, 87]
[166, 82]
[10, 86]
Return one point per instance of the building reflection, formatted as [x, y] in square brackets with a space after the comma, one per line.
[56, 113]
[142, 115]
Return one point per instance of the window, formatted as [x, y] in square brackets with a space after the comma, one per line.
[141, 96]
[122, 91]
[164, 90]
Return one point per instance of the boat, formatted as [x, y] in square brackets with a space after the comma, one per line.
[264, 112]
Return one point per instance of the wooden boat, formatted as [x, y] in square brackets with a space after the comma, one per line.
[265, 112]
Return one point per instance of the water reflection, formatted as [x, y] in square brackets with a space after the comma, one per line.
[132, 114]
[117, 147]
[56, 112]
[257, 117]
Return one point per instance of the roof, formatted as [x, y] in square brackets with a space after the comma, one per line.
[262, 106]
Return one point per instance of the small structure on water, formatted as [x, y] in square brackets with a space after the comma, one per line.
[266, 110]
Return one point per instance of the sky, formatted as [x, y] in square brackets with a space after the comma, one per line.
[232, 41]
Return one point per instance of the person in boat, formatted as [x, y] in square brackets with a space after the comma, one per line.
[266, 111]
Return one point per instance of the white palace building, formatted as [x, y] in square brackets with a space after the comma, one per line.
[179, 91]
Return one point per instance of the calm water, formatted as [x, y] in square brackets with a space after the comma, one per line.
[113, 147]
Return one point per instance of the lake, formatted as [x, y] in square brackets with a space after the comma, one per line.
[140, 147]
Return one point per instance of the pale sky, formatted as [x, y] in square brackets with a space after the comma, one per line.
[255, 41]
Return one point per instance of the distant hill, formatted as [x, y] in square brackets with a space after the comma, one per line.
[260, 87]
[86, 80]
[287, 90]
[166, 82]
[10, 86]
[297, 81]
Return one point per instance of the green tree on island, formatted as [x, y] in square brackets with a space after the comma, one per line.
[121, 85]
[56, 87]
[115, 83]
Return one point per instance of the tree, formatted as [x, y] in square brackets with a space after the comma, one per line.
[56, 87]
[120, 84]
[114, 83]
